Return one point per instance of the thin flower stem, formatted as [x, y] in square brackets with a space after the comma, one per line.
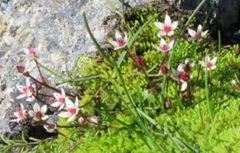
[165, 76]
[207, 93]
[51, 71]
[60, 133]
[48, 86]
[45, 95]
[67, 126]
[40, 73]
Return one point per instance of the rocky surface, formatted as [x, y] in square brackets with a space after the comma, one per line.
[55, 27]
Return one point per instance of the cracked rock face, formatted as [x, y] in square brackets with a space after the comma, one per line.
[56, 28]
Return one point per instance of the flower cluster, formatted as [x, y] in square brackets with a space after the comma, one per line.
[166, 32]
[58, 102]
[183, 72]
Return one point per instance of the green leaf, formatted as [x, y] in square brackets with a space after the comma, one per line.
[121, 58]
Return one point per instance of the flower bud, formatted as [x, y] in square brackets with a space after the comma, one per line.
[184, 76]
[163, 69]
[81, 120]
[139, 61]
[168, 104]
[20, 68]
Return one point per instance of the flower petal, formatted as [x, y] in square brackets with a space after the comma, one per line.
[170, 33]
[69, 103]
[63, 92]
[156, 47]
[125, 37]
[28, 82]
[55, 104]
[199, 29]
[192, 33]
[118, 35]
[174, 25]
[44, 109]
[64, 114]
[214, 60]
[159, 25]
[204, 33]
[163, 42]
[76, 102]
[45, 117]
[168, 20]
[207, 59]
[171, 44]
[180, 68]
[36, 107]
[114, 43]
[31, 113]
[30, 99]
[184, 86]
[56, 95]
[21, 96]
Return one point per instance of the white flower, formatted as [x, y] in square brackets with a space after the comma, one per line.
[199, 34]
[59, 99]
[71, 110]
[120, 41]
[183, 74]
[209, 64]
[20, 115]
[164, 46]
[27, 90]
[38, 112]
[167, 28]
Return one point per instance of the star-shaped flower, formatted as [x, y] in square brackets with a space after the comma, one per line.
[164, 46]
[60, 99]
[167, 28]
[38, 113]
[27, 90]
[71, 110]
[120, 41]
[19, 115]
[208, 63]
[199, 34]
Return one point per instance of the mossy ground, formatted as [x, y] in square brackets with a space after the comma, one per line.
[185, 123]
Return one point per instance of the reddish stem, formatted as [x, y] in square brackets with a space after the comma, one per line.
[47, 85]
[43, 80]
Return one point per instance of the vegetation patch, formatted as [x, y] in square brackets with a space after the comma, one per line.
[160, 87]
